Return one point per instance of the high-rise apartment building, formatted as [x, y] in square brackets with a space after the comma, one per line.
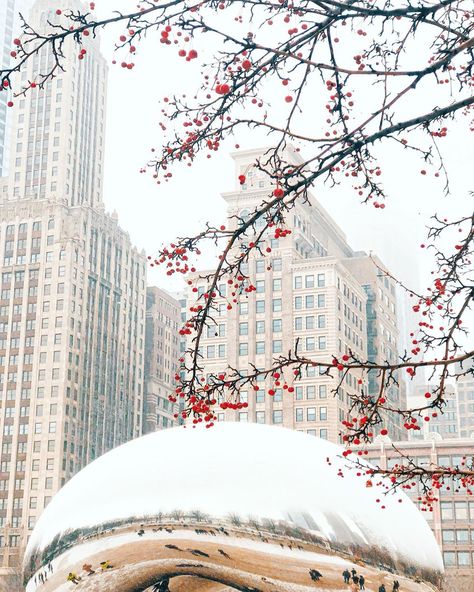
[382, 331]
[446, 423]
[163, 315]
[452, 517]
[72, 297]
[465, 394]
[7, 22]
[307, 296]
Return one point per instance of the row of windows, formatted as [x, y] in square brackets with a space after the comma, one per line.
[309, 281]
[22, 447]
[5, 466]
[277, 327]
[277, 347]
[310, 301]
[460, 536]
[261, 265]
[23, 227]
[260, 306]
[460, 559]
[310, 322]
[8, 430]
[312, 414]
[457, 510]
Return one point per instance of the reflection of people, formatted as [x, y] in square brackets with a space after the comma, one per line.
[396, 586]
[105, 565]
[382, 588]
[72, 577]
[356, 579]
[354, 587]
[162, 585]
[87, 567]
[362, 582]
[353, 572]
[346, 574]
[315, 575]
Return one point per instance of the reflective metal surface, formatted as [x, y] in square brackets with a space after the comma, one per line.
[240, 506]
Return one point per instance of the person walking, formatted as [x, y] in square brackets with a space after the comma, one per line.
[362, 582]
[346, 574]
[396, 586]
[353, 572]
[355, 579]
[382, 588]
[315, 575]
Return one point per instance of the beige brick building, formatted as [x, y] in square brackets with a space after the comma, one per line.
[72, 298]
[452, 518]
[163, 315]
[465, 397]
[312, 292]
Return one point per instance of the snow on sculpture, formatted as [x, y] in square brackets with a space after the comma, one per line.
[247, 506]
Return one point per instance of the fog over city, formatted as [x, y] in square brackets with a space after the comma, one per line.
[156, 214]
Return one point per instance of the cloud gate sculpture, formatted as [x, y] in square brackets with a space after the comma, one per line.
[238, 507]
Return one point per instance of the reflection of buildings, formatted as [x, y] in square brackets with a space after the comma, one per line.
[161, 359]
[312, 290]
[452, 518]
[446, 423]
[72, 297]
[164, 518]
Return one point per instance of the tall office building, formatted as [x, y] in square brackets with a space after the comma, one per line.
[452, 516]
[382, 331]
[7, 23]
[465, 394]
[163, 314]
[446, 423]
[72, 297]
[307, 296]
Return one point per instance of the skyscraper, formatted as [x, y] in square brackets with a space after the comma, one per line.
[465, 395]
[163, 314]
[308, 296]
[7, 20]
[72, 297]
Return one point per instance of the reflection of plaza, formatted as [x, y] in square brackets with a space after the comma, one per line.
[229, 524]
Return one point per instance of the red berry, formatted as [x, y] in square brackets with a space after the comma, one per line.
[278, 192]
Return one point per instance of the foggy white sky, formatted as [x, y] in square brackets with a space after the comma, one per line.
[153, 214]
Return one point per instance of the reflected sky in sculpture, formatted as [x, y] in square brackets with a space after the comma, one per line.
[270, 479]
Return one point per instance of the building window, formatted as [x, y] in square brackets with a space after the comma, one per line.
[260, 306]
[311, 414]
[243, 349]
[260, 417]
[299, 414]
[260, 347]
[277, 346]
[277, 416]
[276, 305]
[243, 328]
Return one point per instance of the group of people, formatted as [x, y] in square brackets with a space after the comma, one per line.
[354, 580]
[396, 587]
[87, 568]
